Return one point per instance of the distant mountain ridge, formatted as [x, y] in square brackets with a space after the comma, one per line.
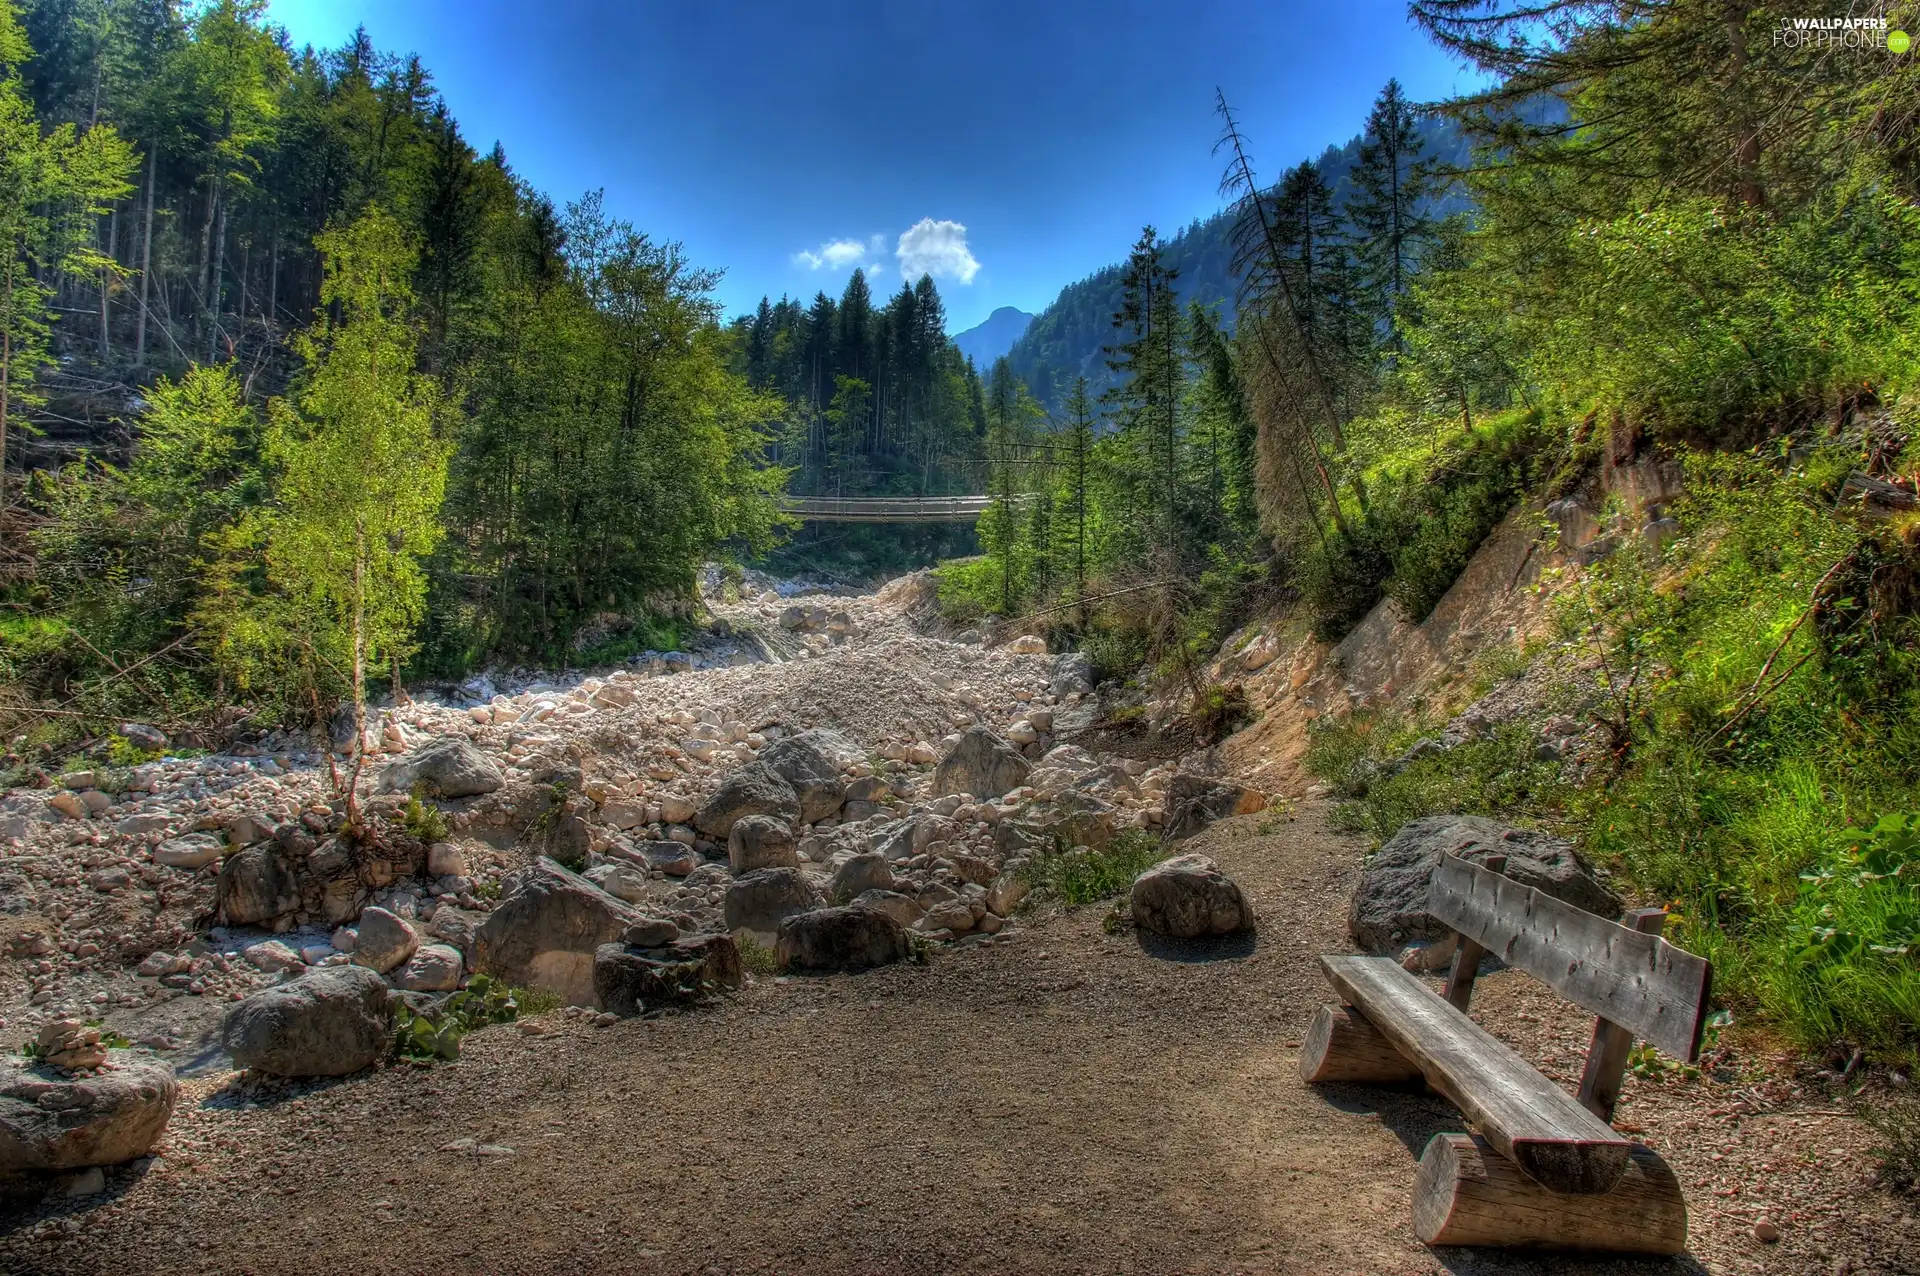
[993, 337]
[1067, 338]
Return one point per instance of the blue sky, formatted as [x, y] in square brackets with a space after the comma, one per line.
[785, 142]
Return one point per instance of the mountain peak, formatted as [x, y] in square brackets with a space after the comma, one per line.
[994, 336]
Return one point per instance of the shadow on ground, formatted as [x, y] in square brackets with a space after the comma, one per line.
[1212, 948]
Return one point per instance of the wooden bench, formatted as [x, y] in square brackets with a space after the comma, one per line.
[1543, 1167]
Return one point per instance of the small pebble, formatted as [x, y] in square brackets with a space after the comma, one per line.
[1764, 1231]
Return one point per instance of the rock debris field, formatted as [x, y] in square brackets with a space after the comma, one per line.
[795, 1009]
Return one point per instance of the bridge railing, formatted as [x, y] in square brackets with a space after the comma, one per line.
[886, 509]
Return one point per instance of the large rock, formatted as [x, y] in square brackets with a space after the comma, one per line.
[621, 880]
[256, 885]
[1188, 897]
[982, 764]
[902, 908]
[675, 859]
[1072, 672]
[544, 930]
[754, 789]
[761, 841]
[1195, 801]
[331, 1021]
[54, 1122]
[1389, 909]
[762, 899]
[450, 766]
[195, 850]
[811, 762]
[867, 871]
[384, 940]
[847, 938]
[433, 968]
[628, 978]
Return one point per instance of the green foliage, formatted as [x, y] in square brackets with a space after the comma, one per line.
[53, 185]
[482, 1002]
[1429, 508]
[562, 381]
[1116, 654]
[424, 822]
[1692, 318]
[756, 958]
[1497, 773]
[1079, 876]
[1759, 701]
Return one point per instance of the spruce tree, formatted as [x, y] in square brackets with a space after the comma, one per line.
[1145, 406]
[1388, 210]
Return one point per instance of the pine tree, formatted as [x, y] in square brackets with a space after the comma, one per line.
[1076, 506]
[1388, 209]
[1146, 406]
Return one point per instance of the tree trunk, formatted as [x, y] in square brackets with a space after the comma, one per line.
[146, 265]
[206, 242]
[218, 267]
[6, 393]
[352, 785]
[106, 281]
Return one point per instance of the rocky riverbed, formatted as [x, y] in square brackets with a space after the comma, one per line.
[885, 784]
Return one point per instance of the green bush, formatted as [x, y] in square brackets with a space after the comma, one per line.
[1116, 654]
[757, 958]
[1428, 509]
[424, 822]
[1081, 876]
[437, 1036]
[968, 590]
[1696, 318]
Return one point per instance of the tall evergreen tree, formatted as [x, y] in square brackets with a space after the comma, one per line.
[1392, 185]
[1145, 406]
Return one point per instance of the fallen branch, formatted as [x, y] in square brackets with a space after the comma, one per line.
[1754, 694]
[1081, 602]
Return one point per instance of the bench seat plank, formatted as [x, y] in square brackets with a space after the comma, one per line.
[1527, 1118]
[1636, 979]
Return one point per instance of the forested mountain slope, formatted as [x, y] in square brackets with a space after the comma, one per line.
[993, 336]
[1068, 338]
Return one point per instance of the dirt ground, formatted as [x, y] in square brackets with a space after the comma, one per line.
[1061, 1100]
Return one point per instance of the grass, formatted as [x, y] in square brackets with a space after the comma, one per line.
[1077, 877]
[756, 958]
[1766, 762]
[537, 1001]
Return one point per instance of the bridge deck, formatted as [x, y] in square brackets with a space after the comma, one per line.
[886, 509]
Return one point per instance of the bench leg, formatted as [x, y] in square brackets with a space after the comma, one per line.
[1341, 1045]
[1465, 1193]
[1607, 1054]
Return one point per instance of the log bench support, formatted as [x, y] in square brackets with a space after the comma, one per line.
[1544, 1168]
[1465, 1193]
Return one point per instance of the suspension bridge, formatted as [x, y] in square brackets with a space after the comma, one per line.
[885, 509]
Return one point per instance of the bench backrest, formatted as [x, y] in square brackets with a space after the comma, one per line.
[1636, 980]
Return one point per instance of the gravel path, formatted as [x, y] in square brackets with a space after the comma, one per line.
[1063, 1100]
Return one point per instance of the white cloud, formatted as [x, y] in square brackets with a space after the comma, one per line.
[936, 248]
[843, 254]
